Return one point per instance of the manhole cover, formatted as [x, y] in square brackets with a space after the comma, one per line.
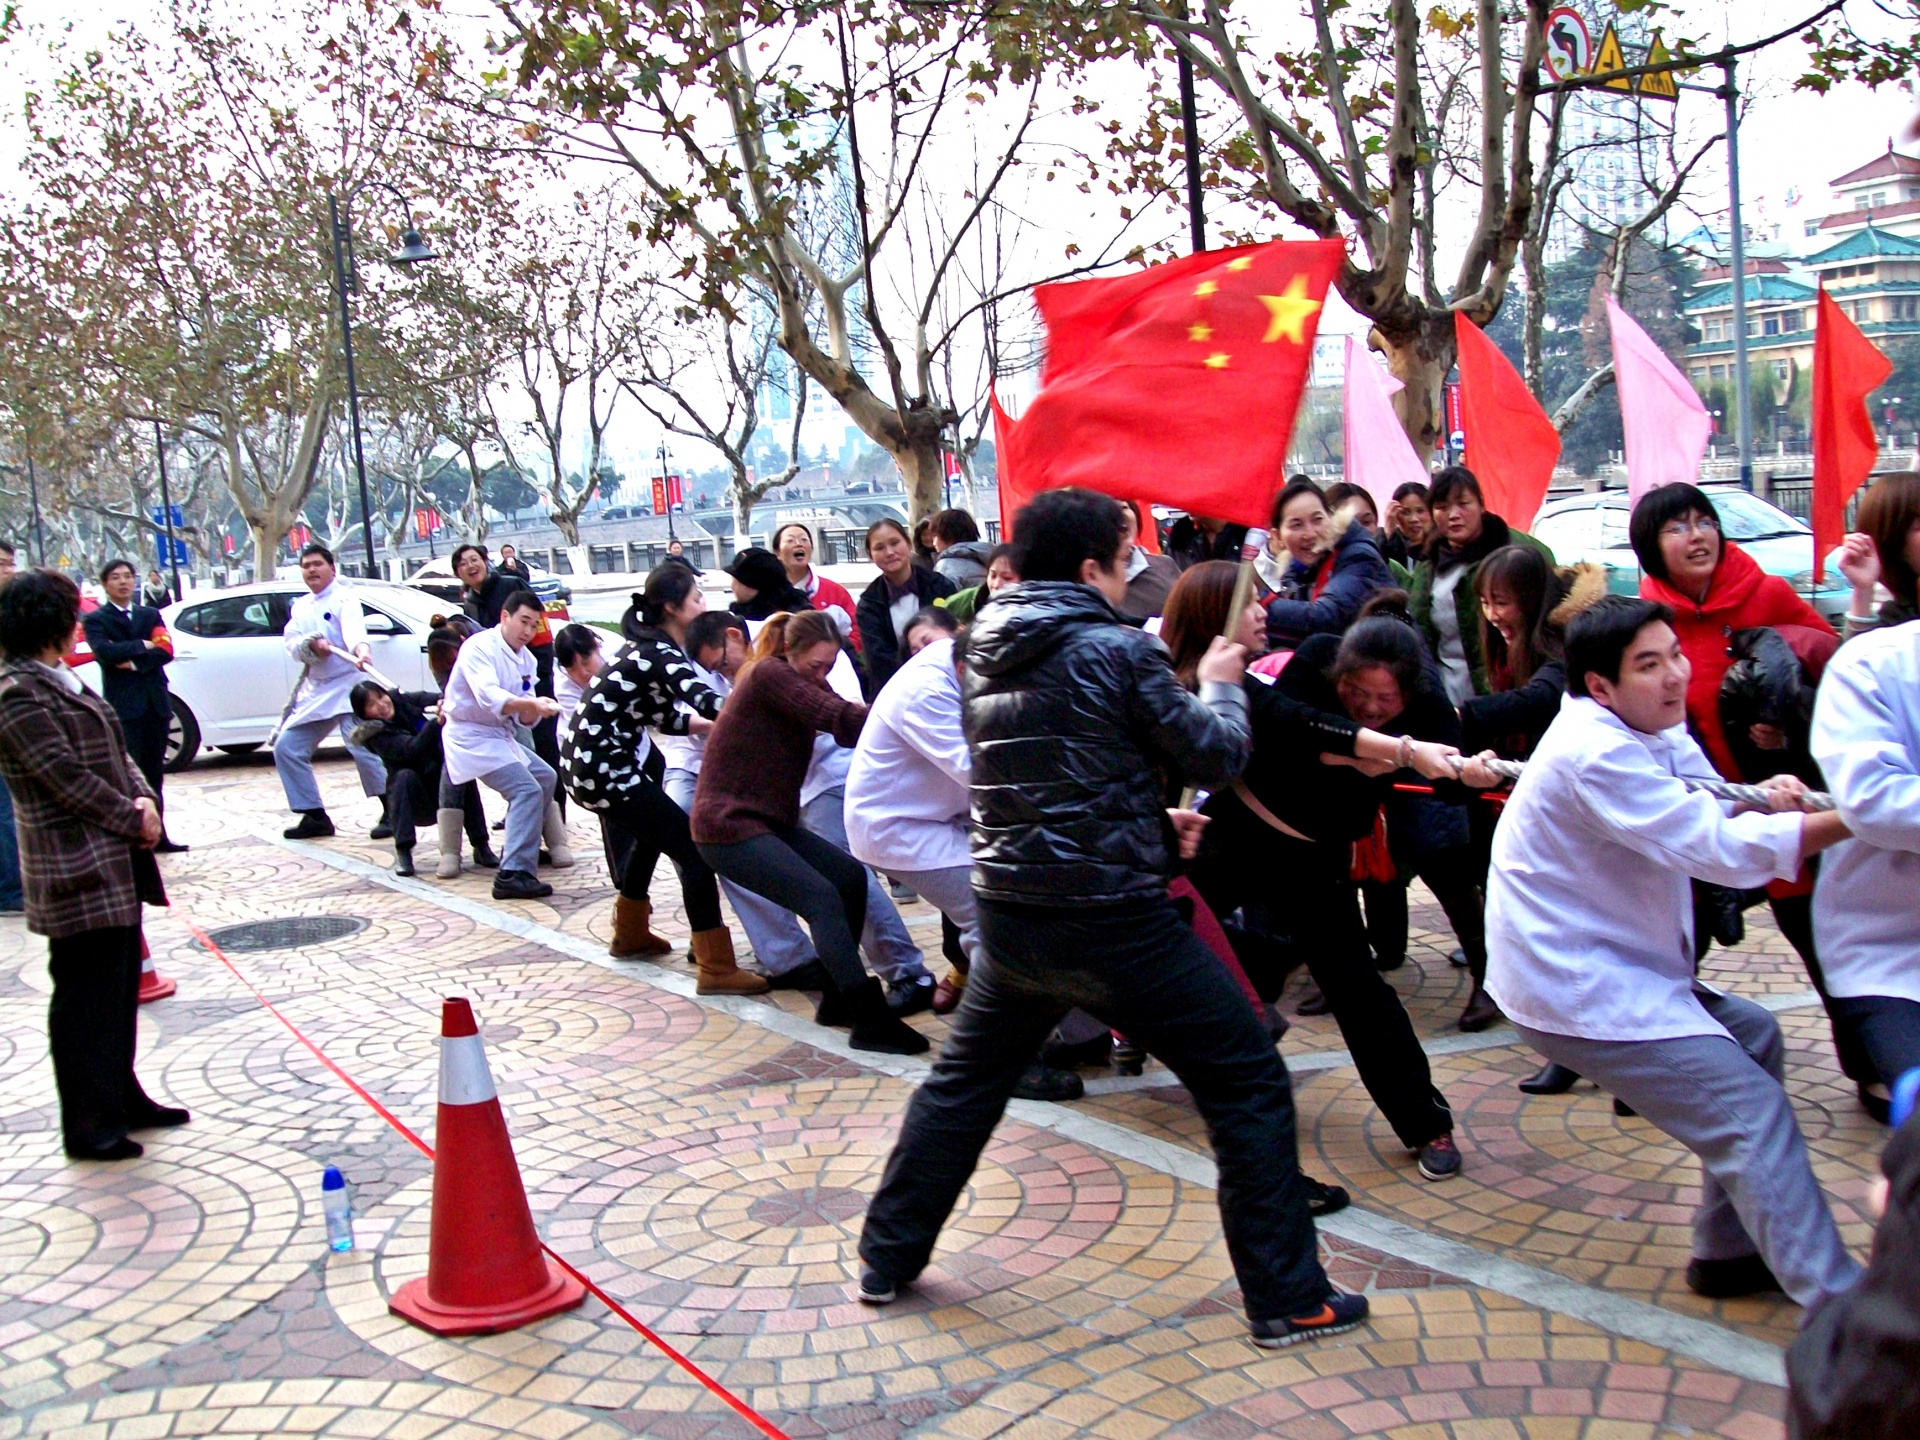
[290, 934]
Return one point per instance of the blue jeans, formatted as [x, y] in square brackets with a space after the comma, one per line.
[1141, 970]
[12, 897]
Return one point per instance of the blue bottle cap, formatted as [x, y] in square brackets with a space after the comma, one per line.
[333, 1179]
[1906, 1091]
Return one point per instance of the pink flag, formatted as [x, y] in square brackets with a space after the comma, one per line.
[1666, 425]
[1379, 457]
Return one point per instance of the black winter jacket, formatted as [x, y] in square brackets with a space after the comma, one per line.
[409, 741]
[879, 646]
[1359, 572]
[1071, 716]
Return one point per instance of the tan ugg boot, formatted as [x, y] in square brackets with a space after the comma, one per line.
[719, 974]
[447, 822]
[633, 937]
[554, 832]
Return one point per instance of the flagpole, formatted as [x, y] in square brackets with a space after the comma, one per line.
[1743, 405]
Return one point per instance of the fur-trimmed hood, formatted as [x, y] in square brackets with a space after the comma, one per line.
[1582, 587]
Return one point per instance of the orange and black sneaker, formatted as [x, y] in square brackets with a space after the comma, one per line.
[1333, 1316]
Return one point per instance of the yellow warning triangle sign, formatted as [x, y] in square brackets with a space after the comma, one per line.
[1660, 86]
[1609, 57]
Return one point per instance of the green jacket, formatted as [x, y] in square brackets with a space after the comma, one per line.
[1495, 535]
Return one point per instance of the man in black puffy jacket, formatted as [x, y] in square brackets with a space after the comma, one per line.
[1072, 717]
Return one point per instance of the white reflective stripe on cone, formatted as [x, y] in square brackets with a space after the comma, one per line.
[464, 1077]
[146, 964]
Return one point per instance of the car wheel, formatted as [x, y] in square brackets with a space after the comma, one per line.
[183, 736]
[246, 749]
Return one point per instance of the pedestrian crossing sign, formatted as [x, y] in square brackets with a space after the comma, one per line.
[1662, 85]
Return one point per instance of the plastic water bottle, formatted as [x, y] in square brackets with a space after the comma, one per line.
[338, 1209]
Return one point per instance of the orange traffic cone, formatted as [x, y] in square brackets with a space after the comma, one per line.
[153, 985]
[485, 1271]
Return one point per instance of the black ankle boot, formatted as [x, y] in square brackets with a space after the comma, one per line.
[1550, 1079]
[383, 827]
[876, 1027]
[403, 860]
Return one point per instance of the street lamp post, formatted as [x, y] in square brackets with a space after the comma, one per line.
[33, 495]
[166, 511]
[346, 275]
[666, 492]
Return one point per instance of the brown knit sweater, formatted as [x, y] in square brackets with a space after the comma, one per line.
[757, 756]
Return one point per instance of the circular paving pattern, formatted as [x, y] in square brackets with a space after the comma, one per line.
[295, 932]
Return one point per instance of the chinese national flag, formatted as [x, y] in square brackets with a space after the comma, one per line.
[1512, 446]
[1177, 384]
[1847, 367]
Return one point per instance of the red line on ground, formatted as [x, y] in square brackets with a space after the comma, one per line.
[739, 1406]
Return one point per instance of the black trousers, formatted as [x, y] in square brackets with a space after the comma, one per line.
[1885, 1027]
[647, 817]
[1454, 876]
[412, 798]
[1137, 968]
[814, 878]
[1328, 935]
[1794, 915]
[147, 746]
[90, 1030]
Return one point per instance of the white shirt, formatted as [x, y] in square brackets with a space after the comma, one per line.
[322, 691]
[684, 752]
[1866, 736]
[832, 760]
[1589, 914]
[907, 788]
[480, 736]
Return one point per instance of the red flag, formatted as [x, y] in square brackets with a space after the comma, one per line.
[1179, 383]
[1013, 493]
[1512, 446]
[1847, 367]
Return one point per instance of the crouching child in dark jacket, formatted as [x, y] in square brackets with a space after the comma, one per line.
[1072, 717]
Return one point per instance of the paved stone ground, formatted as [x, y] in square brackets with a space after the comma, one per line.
[707, 1163]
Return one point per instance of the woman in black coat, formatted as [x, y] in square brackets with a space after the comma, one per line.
[900, 591]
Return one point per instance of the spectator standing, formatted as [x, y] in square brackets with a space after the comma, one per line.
[1884, 551]
[1590, 919]
[1195, 538]
[761, 587]
[87, 827]
[326, 634]
[131, 645]
[1409, 525]
[793, 543]
[900, 591]
[1442, 594]
[155, 594]
[959, 553]
[1150, 577]
[1069, 712]
[512, 565]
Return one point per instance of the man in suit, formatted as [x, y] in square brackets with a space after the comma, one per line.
[132, 645]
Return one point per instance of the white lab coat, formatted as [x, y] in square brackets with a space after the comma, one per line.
[479, 736]
[907, 787]
[684, 752]
[1866, 736]
[323, 689]
[1589, 913]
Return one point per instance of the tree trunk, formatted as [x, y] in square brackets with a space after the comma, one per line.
[1419, 360]
[922, 469]
[742, 513]
[266, 546]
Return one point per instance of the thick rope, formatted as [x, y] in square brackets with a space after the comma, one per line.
[1719, 789]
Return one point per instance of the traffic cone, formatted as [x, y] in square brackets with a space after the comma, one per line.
[485, 1269]
[153, 985]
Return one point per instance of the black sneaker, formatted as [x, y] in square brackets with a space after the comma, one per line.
[519, 885]
[314, 825]
[1730, 1279]
[1324, 1199]
[910, 997]
[158, 1117]
[1440, 1158]
[810, 976]
[1041, 1082]
[876, 1289]
[1336, 1314]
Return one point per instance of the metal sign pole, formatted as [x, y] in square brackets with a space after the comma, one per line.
[166, 513]
[1743, 402]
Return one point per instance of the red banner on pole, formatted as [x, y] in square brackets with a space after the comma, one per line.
[659, 495]
[675, 496]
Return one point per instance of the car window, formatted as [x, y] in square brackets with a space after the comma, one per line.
[1748, 517]
[235, 617]
[383, 622]
[1570, 534]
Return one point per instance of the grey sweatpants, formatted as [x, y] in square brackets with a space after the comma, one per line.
[1724, 1100]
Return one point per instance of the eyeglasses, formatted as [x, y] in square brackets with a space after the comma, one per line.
[1680, 529]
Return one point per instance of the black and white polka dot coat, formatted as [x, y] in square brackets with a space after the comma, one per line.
[644, 689]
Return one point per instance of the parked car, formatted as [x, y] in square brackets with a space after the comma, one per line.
[231, 674]
[1594, 527]
[436, 578]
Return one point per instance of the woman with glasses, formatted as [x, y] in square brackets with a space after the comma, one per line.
[1716, 589]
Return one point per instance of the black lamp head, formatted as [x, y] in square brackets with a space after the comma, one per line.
[413, 249]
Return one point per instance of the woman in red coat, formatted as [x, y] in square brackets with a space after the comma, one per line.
[1715, 589]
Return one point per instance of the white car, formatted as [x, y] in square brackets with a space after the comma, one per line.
[231, 674]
